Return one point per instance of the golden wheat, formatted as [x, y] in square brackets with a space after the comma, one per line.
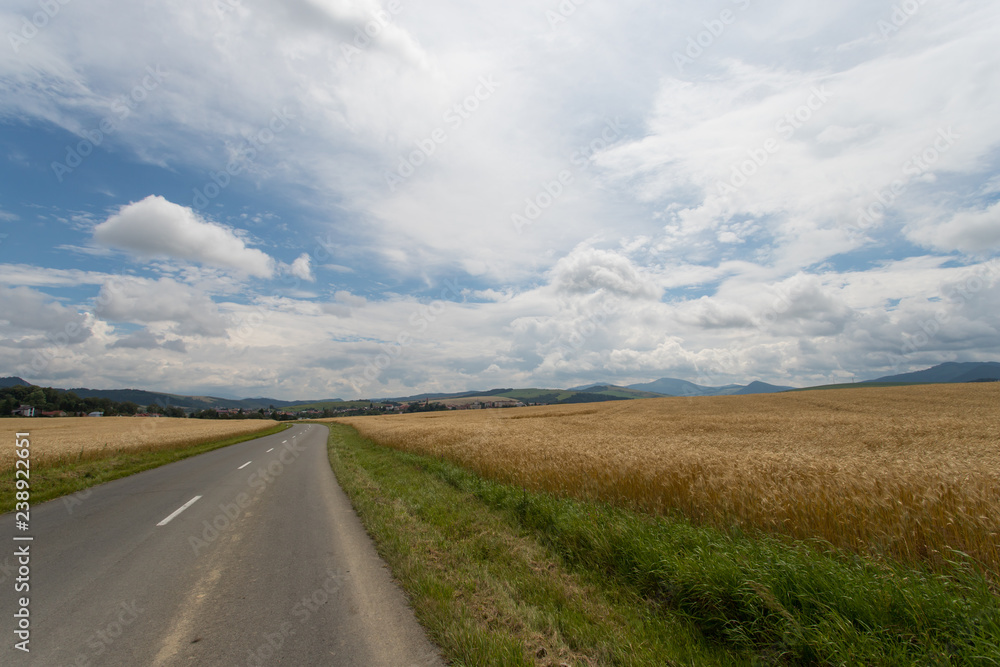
[907, 472]
[91, 437]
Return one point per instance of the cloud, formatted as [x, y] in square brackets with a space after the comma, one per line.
[344, 303]
[301, 268]
[588, 270]
[975, 232]
[26, 311]
[766, 281]
[37, 276]
[144, 301]
[155, 227]
[146, 340]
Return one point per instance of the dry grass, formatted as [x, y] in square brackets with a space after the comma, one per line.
[909, 473]
[81, 438]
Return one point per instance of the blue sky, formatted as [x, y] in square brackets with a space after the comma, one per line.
[320, 198]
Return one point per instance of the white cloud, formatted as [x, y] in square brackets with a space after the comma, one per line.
[588, 269]
[766, 281]
[36, 276]
[143, 301]
[975, 232]
[301, 268]
[28, 312]
[155, 227]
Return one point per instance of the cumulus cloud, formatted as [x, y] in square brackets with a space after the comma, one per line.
[588, 270]
[301, 268]
[155, 227]
[141, 300]
[26, 311]
[704, 283]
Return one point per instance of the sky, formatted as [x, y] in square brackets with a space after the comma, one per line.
[347, 198]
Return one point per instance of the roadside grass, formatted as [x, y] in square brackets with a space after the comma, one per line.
[72, 473]
[503, 576]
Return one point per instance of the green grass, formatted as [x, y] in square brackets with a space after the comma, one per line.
[64, 477]
[501, 576]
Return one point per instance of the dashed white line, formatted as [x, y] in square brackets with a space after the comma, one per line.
[269, 451]
[244, 465]
[179, 510]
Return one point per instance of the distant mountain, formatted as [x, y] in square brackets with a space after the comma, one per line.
[592, 394]
[948, 373]
[586, 387]
[142, 397]
[621, 392]
[13, 382]
[675, 387]
[437, 396]
[758, 387]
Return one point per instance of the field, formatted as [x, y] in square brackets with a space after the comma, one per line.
[907, 473]
[83, 438]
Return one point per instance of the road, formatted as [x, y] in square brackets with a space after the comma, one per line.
[268, 566]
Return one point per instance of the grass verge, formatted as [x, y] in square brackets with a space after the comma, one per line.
[502, 576]
[58, 478]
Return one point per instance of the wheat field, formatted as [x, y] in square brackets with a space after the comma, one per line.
[909, 473]
[73, 438]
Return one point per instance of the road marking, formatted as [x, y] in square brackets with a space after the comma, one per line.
[244, 465]
[269, 451]
[179, 510]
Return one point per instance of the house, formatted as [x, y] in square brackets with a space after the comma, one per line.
[25, 411]
[96, 414]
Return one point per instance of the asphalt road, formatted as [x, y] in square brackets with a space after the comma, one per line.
[269, 566]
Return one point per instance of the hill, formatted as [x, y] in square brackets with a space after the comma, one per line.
[758, 387]
[592, 394]
[143, 397]
[675, 387]
[13, 382]
[948, 373]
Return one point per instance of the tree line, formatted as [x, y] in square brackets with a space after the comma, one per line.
[47, 399]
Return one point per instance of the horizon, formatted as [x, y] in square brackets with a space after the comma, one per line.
[236, 397]
[392, 200]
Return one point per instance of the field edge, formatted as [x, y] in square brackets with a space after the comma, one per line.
[722, 599]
